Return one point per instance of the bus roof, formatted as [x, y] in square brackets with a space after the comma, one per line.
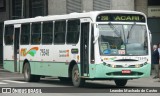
[91, 14]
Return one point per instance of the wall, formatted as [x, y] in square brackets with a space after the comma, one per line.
[154, 27]
[87, 5]
[122, 5]
[56, 7]
[142, 6]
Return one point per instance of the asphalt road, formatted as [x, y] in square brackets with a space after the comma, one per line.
[54, 87]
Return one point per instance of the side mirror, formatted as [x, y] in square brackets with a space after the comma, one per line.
[96, 35]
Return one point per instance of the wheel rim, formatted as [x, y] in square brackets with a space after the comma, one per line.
[76, 75]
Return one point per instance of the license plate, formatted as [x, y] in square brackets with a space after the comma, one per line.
[126, 71]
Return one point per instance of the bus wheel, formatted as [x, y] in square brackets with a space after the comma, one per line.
[76, 79]
[121, 82]
[27, 74]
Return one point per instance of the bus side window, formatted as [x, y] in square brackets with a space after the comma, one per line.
[36, 33]
[9, 29]
[47, 34]
[25, 34]
[59, 32]
[73, 30]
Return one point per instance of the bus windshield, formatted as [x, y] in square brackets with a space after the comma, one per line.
[123, 39]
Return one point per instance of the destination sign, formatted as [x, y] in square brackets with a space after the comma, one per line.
[120, 18]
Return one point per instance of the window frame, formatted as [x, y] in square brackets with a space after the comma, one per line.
[40, 4]
[16, 9]
[3, 6]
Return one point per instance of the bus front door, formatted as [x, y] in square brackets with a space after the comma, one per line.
[16, 49]
[84, 47]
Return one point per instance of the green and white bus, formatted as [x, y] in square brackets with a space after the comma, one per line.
[98, 45]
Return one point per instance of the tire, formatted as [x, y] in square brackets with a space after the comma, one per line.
[76, 79]
[120, 82]
[27, 74]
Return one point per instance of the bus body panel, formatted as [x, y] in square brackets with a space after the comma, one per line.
[50, 60]
[100, 71]
[8, 65]
[8, 62]
[48, 69]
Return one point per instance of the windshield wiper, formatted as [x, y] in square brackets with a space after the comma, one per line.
[119, 34]
[129, 32]
[115, 30]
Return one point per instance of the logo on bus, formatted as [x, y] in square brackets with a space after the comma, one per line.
[31, 52]
[63, 53]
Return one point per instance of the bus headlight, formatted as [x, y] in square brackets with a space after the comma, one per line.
[137, 65]
[113, 66]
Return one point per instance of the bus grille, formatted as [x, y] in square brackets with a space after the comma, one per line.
[130, 66]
